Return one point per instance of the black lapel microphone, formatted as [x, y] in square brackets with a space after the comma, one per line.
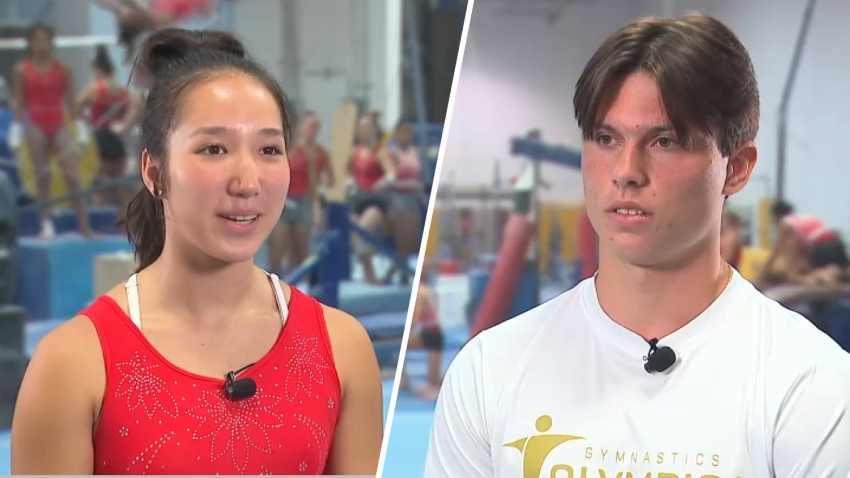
[658, 359]
[239, 389]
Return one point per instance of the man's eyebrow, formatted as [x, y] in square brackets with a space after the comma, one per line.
[651, 131]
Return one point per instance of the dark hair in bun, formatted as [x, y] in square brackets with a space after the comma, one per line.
[103, 62]
[178, 60]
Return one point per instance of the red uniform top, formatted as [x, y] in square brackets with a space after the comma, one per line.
[108, 106]
[181, 10]
[299, 173]
[428, 320]
[159, 419]
[45, 96]
[809, 229]
[366, 168]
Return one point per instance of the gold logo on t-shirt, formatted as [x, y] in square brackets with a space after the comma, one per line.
[535, 449]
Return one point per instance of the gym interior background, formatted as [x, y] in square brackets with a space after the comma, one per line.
[339, 58]
[520, 65]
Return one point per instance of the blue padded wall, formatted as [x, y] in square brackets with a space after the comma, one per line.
[57, 275]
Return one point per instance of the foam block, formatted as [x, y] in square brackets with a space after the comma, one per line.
[386, 326]
[387, 352]
[56, 277]
[12, 322]
[12, 365]
[361, 299]
[102, 219]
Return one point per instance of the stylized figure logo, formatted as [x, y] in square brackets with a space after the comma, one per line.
[536, 448]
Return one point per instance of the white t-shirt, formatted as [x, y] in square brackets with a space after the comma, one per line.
[757, 391]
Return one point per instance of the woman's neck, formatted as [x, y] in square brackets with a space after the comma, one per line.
[203, 290]
[41, 60]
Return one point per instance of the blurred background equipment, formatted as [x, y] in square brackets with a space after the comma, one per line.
[339, 59]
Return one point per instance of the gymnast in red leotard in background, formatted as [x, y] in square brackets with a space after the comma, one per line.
[112, 111]
[134, 19]
[426, 333]
[43, 89]
[370, 170]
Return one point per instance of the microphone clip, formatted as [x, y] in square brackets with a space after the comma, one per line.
[658, 359]
[230, 388]
[239, 389]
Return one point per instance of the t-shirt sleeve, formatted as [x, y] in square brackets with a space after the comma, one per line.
[459, 446]
[812, 436]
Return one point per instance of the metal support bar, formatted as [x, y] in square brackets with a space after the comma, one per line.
[416, 63]
[785, 103]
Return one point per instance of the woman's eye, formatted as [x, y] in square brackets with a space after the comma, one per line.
[214, 149]
[271, 150]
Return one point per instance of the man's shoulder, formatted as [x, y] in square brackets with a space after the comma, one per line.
[521, 330]
[500, 346]
[796, 346]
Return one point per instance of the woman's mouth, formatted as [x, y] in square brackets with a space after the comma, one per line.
[242, 219]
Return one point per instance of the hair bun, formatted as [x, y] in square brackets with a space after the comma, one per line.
[101, 52]
[173, 44]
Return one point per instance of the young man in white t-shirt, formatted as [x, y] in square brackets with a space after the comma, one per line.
[669, 110]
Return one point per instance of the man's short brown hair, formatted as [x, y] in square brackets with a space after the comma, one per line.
[705, 75]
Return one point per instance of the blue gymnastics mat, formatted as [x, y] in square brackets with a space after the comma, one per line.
[57, 278]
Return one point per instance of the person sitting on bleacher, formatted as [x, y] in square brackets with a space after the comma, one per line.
[806, 251]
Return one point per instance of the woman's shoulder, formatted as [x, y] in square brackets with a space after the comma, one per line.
[74, 346]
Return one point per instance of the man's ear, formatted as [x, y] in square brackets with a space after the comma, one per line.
[740, 168]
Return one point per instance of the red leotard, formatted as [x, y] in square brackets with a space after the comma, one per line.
[108, 106]
[429, 320]
[299, 174]
[180, 10]
[45, 97]
[159, 419]
[366, 169]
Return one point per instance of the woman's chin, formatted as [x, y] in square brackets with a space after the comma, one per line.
[237, 253]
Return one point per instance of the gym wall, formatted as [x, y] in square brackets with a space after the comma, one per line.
[528, 82]
[327, 51]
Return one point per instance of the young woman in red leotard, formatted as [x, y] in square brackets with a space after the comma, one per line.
[426, 333]
[137, 382]
[113, 110]
[43, 89]
[405, 196]
[311, 171]
[370, 171]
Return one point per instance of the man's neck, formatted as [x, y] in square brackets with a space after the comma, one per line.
[654, 303]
